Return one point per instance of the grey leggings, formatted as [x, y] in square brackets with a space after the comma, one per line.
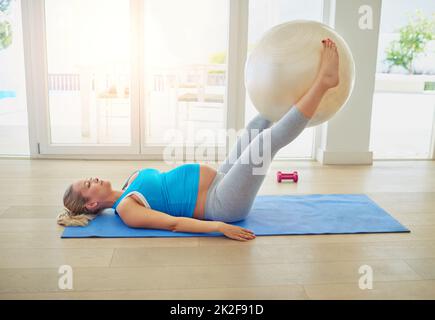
[239, 177]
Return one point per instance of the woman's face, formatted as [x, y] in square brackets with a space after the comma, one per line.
[94, 189]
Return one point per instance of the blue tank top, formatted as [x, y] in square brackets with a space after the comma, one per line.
[173, 192]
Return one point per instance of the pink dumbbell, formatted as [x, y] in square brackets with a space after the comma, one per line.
[287, 176]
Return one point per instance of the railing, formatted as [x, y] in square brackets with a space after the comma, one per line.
[63, 82]
[209, 75]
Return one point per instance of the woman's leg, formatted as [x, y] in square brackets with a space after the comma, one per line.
[252, 129]
[236, 191]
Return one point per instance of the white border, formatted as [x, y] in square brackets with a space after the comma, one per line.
[140, 196]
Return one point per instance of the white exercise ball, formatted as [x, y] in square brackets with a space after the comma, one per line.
[284, 64]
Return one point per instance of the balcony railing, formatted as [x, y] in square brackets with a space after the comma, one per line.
[196, 75]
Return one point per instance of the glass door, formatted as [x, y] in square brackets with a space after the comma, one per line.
[184, 75]
[128, 77]
[14, 136]
[91, 77]
[403, 112]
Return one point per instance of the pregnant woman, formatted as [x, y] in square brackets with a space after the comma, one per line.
[194, 197]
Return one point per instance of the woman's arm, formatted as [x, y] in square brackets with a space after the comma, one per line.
[137, 216]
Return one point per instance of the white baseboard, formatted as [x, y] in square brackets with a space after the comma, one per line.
[341, 157]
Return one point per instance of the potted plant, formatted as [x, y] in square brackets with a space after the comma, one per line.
[412, 41]
[5, 25]
[402, 53]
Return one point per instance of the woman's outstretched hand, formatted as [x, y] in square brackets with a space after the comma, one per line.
[235, 232]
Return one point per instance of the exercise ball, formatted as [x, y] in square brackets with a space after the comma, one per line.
[284, 64]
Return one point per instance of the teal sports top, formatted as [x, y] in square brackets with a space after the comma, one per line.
[173, 192]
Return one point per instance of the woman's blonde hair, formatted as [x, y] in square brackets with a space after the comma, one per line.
[75, 212]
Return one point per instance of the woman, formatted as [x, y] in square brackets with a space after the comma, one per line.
[194, 197]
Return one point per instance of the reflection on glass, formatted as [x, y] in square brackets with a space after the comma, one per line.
[185, 70]
[404, 99]
[401, 125]
[14, 136]
[88, 47]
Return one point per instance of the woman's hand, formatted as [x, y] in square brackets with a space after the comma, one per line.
[235, 232]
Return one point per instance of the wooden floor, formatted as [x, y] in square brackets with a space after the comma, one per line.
[269, 267]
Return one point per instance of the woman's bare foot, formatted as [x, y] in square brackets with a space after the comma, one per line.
[327, 78]
[328, 72]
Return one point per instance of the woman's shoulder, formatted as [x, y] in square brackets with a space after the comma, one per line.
[128, 203]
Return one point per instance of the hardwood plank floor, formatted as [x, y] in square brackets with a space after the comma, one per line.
[272, 267]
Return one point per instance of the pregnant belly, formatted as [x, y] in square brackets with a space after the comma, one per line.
[206, 176]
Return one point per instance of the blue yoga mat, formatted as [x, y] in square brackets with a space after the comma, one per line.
[272, 215]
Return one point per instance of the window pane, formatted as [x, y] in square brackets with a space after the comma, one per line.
[185, 70]
[263, 15]
[14, 136]
[404, 99]
[88, 47]
[401, 125]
